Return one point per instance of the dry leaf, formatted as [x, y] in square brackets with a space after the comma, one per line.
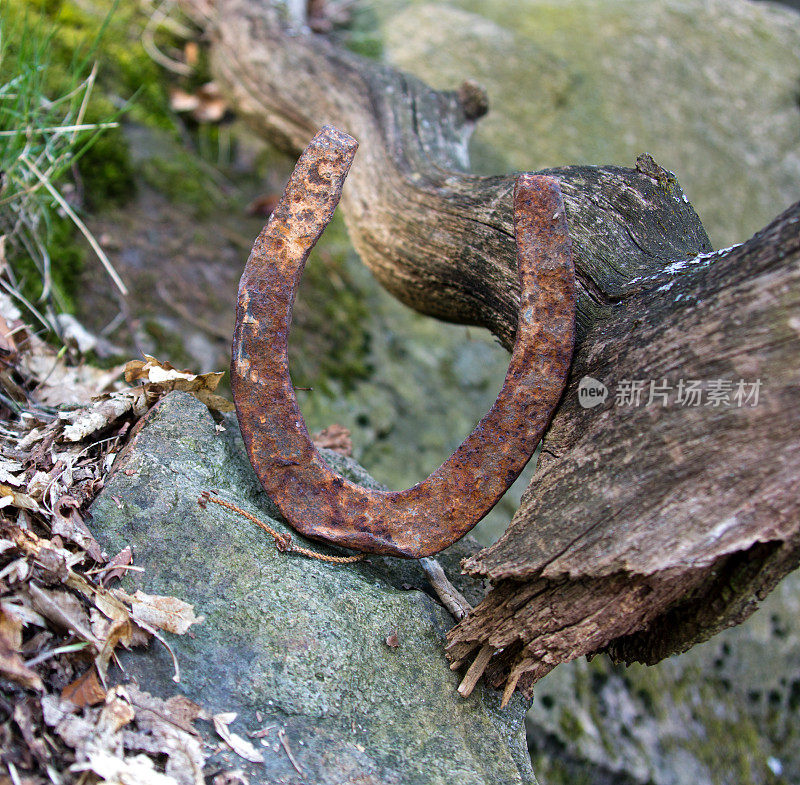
[86, 690]
[118, 711]
[64, 610]
[240, 746]
[392, 641]
[7, 469]
[335, 437]
[11, 664]
[10, 497]
[123, 559]
[138, 770]
[101, 414]
[234, 777]
[165, 729]
[164, 613]
[68, 523]
[159, 378]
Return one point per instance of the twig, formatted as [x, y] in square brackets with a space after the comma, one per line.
[149, 40]
[12, 770]
[285, 744]
[475, 671]
[451, 597]
[64, 129]
[46, 655]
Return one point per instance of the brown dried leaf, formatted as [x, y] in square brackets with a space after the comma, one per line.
[163, 613]
[86, 690]
[23, 717]
[7, 472]
[233, 777]
[68, 523]
[102, 413]
[63, 609]
[159, 378]
[11, 664]
[137, 770]
[11, 498]
[117, 712]
[59, 382]
[392, 641]
[123, 559]
[335, 437]
[240, 746]
[165, 728]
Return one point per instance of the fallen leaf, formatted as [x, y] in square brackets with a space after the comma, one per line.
[392, 641]
[137, 770]
[63, 609]
[123, 559]
[23, 717]
[118, 711]
[12, 666]
[86, 690]
[240, 746]
[10, 497]
[7, 469]
[335, 437]
[234, 777]
[68, 523]
[165, 729]
[164, 613]
[159, 378]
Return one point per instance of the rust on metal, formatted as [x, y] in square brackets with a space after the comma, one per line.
[433, 514]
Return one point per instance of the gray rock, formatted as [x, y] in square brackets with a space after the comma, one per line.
[298, 641]
[725, 711]
[708, 88]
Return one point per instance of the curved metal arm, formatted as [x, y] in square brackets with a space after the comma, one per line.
[433, 514]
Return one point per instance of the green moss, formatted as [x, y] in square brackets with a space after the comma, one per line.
[106, 171]
[570, 725]
[67, 259]
[330, 319]
[182, 178]
[361, 34]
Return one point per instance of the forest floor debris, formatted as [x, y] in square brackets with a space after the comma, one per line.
[62, 620]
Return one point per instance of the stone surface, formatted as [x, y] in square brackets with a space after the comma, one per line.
[726, 711]
[299, 641]
[708, 87]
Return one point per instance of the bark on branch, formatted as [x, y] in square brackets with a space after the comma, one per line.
[646, 529]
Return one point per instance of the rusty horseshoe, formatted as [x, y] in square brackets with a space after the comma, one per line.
[435, 513]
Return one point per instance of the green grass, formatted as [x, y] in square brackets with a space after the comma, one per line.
[45, 129]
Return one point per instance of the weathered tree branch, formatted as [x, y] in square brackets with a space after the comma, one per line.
[439, 239]
[646, 528]
[649, 528]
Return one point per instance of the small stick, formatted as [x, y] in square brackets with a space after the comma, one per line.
[511, 685]
[475, 671]
[285, 743]
[451, 597]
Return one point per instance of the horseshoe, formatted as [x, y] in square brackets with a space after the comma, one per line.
[433, 514]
